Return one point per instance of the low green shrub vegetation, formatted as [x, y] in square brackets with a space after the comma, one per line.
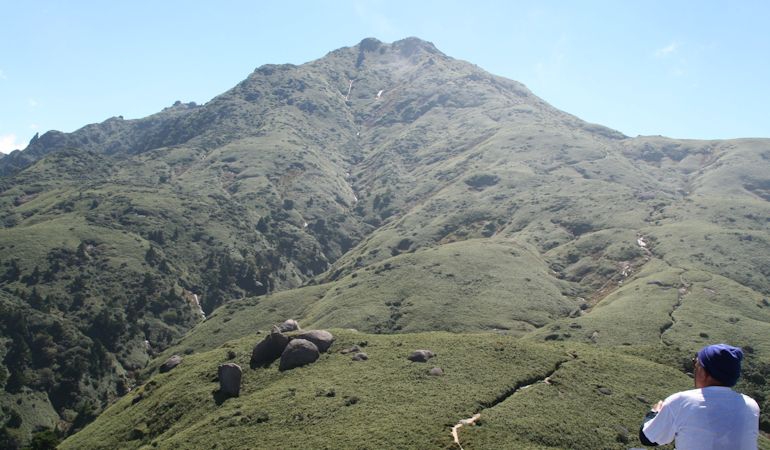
[593, 398]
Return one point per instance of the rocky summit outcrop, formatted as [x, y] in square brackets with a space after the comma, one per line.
[269, 349]
[298, 353]
[321, 338]
[421, 356]
[229, 375]
[170, 363]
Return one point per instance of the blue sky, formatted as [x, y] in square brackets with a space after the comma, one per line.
[685, 69]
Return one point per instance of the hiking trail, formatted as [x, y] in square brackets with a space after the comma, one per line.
[503, 397]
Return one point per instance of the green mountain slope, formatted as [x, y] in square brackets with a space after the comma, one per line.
[390, 402]
[387, 188]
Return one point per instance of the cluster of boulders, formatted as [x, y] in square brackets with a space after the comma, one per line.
[294, 351]
[358, 355]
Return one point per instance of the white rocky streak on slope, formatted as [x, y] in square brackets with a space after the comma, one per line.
[197, 304]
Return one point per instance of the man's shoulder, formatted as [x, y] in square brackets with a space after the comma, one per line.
[684, 395]
[750, 402]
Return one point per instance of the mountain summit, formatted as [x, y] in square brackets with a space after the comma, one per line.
[387, 188]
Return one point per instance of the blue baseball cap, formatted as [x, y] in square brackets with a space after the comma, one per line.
[722, 362]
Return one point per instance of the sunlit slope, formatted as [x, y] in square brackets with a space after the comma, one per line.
[389, 402]
[474, 285]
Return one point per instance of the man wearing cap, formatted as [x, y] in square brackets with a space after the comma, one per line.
[712, 416]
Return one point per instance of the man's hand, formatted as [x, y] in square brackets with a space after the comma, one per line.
[658, 406]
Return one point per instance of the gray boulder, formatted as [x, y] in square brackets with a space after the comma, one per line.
[321, 338]
[436, 372]
[360, 356]
[604, 390]
[298, 353]
[289, 325]
[269, 349]
[353, 349]
[421, 356]
[229, 375]
[170, 363]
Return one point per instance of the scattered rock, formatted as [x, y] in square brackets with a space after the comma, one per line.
[605, 390]
[139, 432]
[270, 349]
[643, 399]
[231, 354]
[436, 372]
[622, 435]
[353, 349]
[326, 393]
[298, 353]
[171, 363]
[321, 338]
[360, 356]
[289, 325]
[230, 379]
[647, 195]
[421, 356]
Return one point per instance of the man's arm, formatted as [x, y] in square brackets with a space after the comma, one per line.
[659, 424]
[642, 437]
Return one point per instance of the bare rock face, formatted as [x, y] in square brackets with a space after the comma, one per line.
[298, 353]
[230, 379]
[289, 325]
[421, 356]
[171, 363]
[269, 349]
[321, 338]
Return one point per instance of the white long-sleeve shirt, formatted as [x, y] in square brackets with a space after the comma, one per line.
[710, 418]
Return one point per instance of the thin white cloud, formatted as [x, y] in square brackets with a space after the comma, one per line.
[377, 21]
[32, 102]
[34, 127]
[2, 75]
[667, 50]
[8, 143]
[553, 64]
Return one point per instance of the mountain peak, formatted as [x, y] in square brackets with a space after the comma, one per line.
[407, 46]
[411, 45]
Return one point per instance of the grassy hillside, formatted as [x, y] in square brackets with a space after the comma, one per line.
[390, 402]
